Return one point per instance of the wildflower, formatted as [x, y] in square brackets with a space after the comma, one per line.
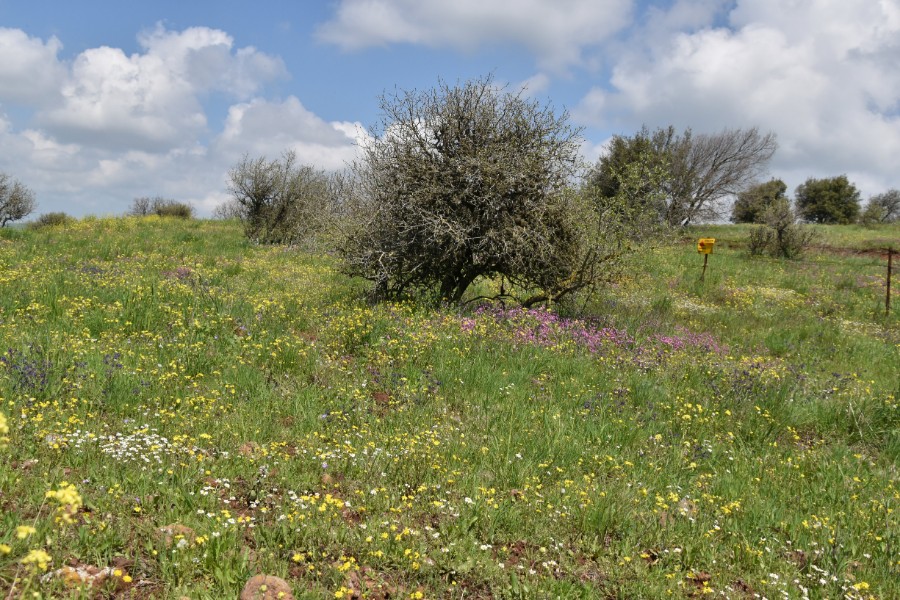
[5, 549]
[23, 531]
[37, 560]
[69, 501]
[4, 431]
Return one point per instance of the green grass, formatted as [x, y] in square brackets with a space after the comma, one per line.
[736, 436]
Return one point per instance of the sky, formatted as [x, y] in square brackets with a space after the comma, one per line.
[105, 101]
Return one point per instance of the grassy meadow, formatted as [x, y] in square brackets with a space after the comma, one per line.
[183, 410]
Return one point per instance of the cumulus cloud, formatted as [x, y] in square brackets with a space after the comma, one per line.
[555, 32]
[533, 86]
[30, 72]
[108, 126]
[821, 74]
[204, 57]
[263, 127]
[151, 100]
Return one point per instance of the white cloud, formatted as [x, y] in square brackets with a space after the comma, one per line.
[533, 86]
[29, 71]
[821, 74]
[151, 100]
[204, 57]
[120, 102]
[555, 31]
[122, 126]
[265, 128]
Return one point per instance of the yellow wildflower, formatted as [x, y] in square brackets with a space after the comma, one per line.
[37, 560]
[23, 531]
[4, 431]
[69, 501]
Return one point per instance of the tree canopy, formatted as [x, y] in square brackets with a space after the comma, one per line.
[828, 200]
[884, 207]
[753, 203]
[468, 181]
[702, 170]
[16, 200]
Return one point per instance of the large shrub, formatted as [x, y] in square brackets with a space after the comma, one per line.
[52, 219]
[779, 235]
[469, 181]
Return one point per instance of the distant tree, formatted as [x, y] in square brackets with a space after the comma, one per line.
[162, 207]
[631, 192]
[279, 201]
[752, 204]
[51, 219]
[16, 200]
[632, 176]
[703, 169]
[140, 207]
[230, 209]
[174, 208]
[883, 208]
[465, 182]
[831, 200]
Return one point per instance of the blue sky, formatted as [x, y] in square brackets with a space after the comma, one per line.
[102, 101]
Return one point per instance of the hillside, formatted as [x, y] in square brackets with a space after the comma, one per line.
[186, 410]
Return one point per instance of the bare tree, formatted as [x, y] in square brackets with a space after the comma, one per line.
[703, 170]
[469, 181]
[141, 207]
[16, 200]
[713, 167]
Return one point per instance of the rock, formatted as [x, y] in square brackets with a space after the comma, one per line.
[89, 576]
[176, 534]
[266, 587]
[248, 449]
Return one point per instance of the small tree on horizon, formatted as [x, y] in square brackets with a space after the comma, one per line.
[882, 208]
[702, 170]
[752, 204]
[159, 206]
[16, 200]
[832, 200]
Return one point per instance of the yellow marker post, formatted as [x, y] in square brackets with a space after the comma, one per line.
[705, 247]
